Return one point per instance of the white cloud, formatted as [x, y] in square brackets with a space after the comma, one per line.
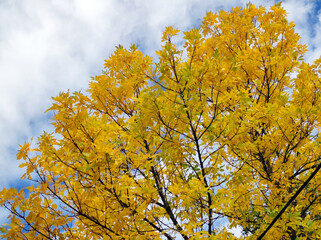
[53, 45]
[315, 39]
[298, 12]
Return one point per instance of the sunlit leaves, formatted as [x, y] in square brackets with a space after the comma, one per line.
[218, 133]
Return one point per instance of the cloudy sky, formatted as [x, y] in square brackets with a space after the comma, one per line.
[48, 46]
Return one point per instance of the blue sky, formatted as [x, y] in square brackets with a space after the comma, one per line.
[55, 45]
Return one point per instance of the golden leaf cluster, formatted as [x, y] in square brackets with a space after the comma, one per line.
[222, 129]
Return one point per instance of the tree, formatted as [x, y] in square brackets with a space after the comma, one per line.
[223, 130]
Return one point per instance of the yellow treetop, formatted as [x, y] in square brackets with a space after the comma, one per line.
[218, 132]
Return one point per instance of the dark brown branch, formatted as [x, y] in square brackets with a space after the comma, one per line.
[290, 201]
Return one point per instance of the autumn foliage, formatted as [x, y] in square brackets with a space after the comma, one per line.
[216, 133]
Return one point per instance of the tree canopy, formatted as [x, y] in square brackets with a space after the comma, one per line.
[221, 130]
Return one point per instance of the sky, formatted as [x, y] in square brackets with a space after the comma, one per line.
[55, 45]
